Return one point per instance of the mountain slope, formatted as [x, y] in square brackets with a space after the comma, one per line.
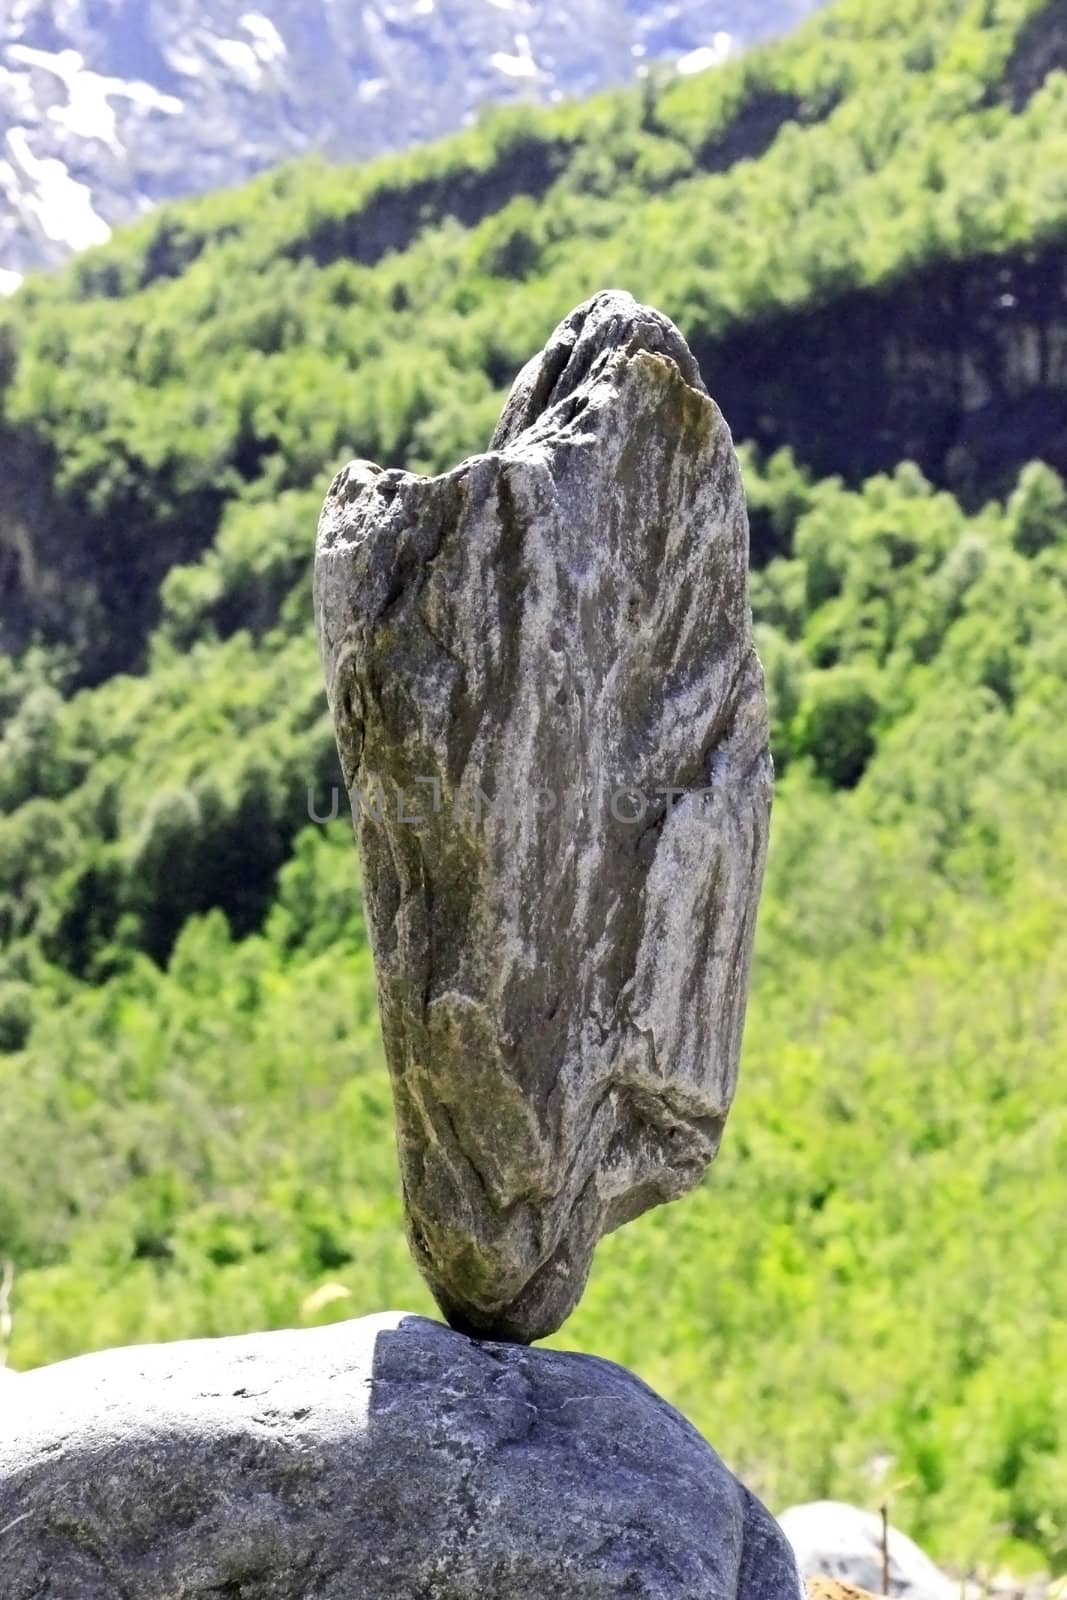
[195, 1131]
[111, 106]
[870, 173]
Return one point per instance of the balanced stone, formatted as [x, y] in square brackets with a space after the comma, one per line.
[552, 726]
[383, 1459]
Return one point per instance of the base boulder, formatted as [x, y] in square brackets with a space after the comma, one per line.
[383, 1459]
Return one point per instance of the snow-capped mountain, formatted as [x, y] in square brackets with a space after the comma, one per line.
[108, 107]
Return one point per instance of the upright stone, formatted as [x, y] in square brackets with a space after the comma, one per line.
[544, 657]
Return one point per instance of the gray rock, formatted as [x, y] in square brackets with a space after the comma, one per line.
[834, 1540]
[562, 968]
[383, 1459]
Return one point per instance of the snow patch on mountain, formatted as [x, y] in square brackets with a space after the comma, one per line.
[89, 113]
[519, 65]
[706, 55]
[267, 42]
[63, 207]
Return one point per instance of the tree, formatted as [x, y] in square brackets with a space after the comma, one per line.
[837, 722]
[1037, 510]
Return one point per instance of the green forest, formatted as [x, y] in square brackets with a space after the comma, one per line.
[867, 1296]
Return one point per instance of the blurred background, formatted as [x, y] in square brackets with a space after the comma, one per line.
[239, 247]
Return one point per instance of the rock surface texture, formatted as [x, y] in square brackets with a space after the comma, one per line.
[384, 1459]
[552, 723]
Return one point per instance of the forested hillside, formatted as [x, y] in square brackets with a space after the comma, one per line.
[863, 233]
[110, 108]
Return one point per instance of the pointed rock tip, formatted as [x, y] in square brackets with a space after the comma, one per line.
[608, 323]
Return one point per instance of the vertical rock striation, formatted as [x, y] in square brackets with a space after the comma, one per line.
[552, 725]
